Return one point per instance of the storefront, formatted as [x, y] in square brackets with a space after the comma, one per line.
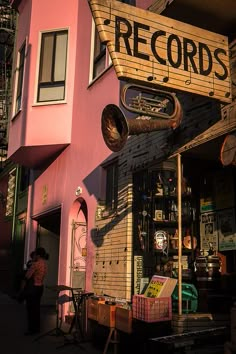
[169, 205]
[207, 228]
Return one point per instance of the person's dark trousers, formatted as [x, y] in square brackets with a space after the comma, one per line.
[33, 301]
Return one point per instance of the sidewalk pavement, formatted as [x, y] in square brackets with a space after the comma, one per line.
[13, 326]
[13, 341]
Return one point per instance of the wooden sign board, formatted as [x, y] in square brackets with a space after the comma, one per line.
[155, 50]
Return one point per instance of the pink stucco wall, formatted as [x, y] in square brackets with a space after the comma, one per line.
[32, 126]
[144, 3]
[78, 121]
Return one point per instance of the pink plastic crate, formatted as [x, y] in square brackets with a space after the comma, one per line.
[151, 309]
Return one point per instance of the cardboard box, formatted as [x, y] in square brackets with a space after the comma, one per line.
[92, 308]
[106, 315]
[160, 286]
[123, 319]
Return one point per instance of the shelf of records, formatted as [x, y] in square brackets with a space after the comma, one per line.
[217, 233]
[166, 210]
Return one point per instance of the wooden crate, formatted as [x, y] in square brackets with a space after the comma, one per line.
[106, 315]
[123, 320]
[92, 308]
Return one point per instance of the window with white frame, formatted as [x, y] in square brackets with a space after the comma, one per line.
[19, 77]
[52, 66]
[100, 60]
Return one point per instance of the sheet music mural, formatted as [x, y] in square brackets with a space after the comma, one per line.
[110, 262]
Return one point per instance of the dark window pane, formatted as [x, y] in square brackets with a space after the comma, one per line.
[52, 73]
[112, 186]
[20, 78]
[99, 61]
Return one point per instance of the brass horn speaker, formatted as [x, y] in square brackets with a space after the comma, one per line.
[153, 115]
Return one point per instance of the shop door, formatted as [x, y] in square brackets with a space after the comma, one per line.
[50, 241]
[18, 252]
[78, 256]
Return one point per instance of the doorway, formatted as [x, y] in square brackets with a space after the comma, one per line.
[79, 247]
[48, 236]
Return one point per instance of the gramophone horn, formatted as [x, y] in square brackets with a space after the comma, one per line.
[116, 128]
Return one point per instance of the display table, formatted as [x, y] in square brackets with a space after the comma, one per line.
[57, 331]
[76, 333]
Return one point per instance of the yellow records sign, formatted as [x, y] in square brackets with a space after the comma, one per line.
[149, 48]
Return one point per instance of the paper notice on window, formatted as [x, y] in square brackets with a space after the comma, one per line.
[227, 229]
[209, 231]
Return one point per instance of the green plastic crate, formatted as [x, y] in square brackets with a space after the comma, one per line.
[189, 298]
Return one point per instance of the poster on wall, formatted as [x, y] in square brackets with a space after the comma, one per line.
[209, 231]
[138, 273]
[227, 229]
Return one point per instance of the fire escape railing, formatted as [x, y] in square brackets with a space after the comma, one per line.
[7, 37]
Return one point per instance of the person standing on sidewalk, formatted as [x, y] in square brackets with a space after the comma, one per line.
[20, 297]
[36, 273]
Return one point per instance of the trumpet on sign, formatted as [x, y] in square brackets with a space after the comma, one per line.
[157, 110]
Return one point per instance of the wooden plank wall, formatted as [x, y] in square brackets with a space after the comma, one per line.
[114, 258]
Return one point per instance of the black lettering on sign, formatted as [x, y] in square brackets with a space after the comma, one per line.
[182, 52]
[124, 35]
[138, 39]
[189, 52]
[153, 46]
[216, 55]
[173, 38]
[203, 51]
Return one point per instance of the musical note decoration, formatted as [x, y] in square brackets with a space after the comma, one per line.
[151, 78]
[211, 93]
[189, 81]
[166, 78]
[107, 21]
[227, 94]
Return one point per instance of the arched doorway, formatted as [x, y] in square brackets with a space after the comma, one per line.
[79, 244]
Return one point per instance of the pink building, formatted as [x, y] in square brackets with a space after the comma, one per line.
[63, 82]
[55, 131]
[97, 212]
